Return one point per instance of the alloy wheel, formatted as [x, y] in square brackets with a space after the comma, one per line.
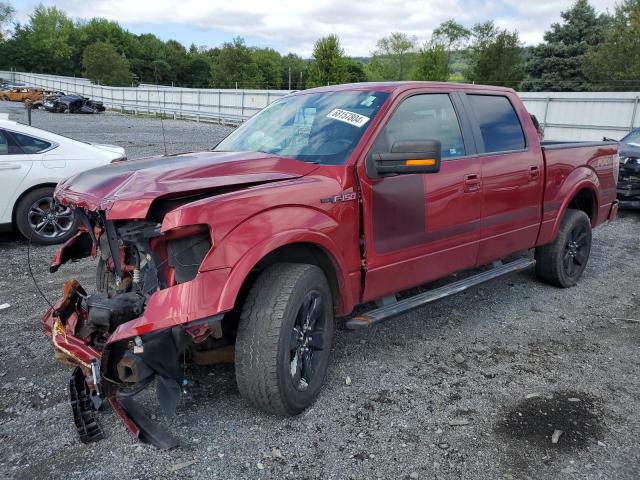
[48, 219]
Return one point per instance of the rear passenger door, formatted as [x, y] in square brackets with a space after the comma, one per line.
[512, 176]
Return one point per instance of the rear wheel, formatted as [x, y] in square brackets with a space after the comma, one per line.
[562, 262]
[43, 221]
[284, 338]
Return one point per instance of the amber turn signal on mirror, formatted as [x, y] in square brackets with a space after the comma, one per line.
[429, 162]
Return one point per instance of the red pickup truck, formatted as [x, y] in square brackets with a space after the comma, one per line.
[327, 199]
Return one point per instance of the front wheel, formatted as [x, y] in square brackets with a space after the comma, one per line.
[284, 338]
[562, 262]
[43, 221]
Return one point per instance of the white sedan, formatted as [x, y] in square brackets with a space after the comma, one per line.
[32, 162]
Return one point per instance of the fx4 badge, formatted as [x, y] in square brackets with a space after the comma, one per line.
[344, 197]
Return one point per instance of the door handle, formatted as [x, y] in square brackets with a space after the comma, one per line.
[472, 183]
[9, 166]
[534, 172]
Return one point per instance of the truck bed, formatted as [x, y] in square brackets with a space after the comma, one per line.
[571, 164]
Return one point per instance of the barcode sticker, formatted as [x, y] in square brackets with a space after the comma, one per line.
[346, 116]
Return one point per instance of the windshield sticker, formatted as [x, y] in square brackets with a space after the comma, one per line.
[346, 116]
[367, 102]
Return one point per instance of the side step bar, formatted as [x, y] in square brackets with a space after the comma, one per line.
[373, 317]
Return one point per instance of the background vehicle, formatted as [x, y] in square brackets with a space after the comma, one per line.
[72, 104]
[22, 94]
[629, 182]
[327, 199]
[32, 162]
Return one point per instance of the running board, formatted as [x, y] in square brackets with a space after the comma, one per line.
[373, 317]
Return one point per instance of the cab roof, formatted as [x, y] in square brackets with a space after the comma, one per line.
[398, 86]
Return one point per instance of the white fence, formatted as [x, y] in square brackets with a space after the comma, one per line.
[584, 115]
[568, 116]
[232, 106]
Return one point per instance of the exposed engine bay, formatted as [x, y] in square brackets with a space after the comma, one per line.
[135, 260]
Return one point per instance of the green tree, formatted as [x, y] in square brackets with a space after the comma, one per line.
[494, 57]
[434, 59]
[393, 58]
[104, 65]
[269, 63]
[197, 72]
[556, 64]
[95, 30]
[328, 62]
[354, 71]
[6, 15]
[615, 63]
[432, 63]
[43, 44]
[294, 68]
[234, 65]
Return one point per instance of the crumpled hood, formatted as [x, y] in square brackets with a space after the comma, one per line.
[127, 189]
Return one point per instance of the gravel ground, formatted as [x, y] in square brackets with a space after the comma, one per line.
[470, 387]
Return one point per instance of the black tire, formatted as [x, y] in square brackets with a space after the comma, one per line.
[39, 219]
[273, 371]
[562, 262]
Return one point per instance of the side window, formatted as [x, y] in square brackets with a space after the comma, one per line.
[4, 144]
[30, 144]
[499, 125]
[424, 117]
[8, 145]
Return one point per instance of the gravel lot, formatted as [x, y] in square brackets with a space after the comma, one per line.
[470, 387]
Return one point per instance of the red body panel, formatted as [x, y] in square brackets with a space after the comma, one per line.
[406, 230]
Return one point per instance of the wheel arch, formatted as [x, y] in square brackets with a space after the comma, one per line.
[583, 195]
[293, 250]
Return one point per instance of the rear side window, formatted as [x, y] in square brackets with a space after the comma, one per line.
[8, 145]
[499, 125]
[4, 145]
[424, 117]
[31, 144]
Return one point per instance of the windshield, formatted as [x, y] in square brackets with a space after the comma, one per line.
[319, 127]
[632, 139]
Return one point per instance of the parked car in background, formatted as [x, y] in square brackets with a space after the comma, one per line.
[21, 94]
[629, 181]
[72, 104]
[32, 162]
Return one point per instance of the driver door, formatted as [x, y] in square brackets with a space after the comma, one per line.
[420, 227]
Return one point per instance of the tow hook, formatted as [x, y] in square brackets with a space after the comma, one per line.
[83, 408]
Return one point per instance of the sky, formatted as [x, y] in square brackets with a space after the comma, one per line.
[294, 25]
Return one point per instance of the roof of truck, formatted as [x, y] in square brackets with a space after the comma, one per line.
[405, 85]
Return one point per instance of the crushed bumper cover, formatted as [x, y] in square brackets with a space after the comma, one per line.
[90, 389]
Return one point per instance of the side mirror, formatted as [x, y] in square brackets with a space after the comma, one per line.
[409, 156]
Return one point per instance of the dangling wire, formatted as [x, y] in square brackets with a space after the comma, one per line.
[33, 278]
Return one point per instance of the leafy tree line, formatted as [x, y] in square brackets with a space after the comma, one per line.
[586, 51]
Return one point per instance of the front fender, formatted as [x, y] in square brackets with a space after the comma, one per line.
[252, 240]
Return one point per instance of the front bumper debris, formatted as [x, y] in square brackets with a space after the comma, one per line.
[89, 389]
[84, 411]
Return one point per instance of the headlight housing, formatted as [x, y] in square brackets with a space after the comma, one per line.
[186, 249]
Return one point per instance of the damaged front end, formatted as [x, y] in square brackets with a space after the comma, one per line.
[152, 312]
